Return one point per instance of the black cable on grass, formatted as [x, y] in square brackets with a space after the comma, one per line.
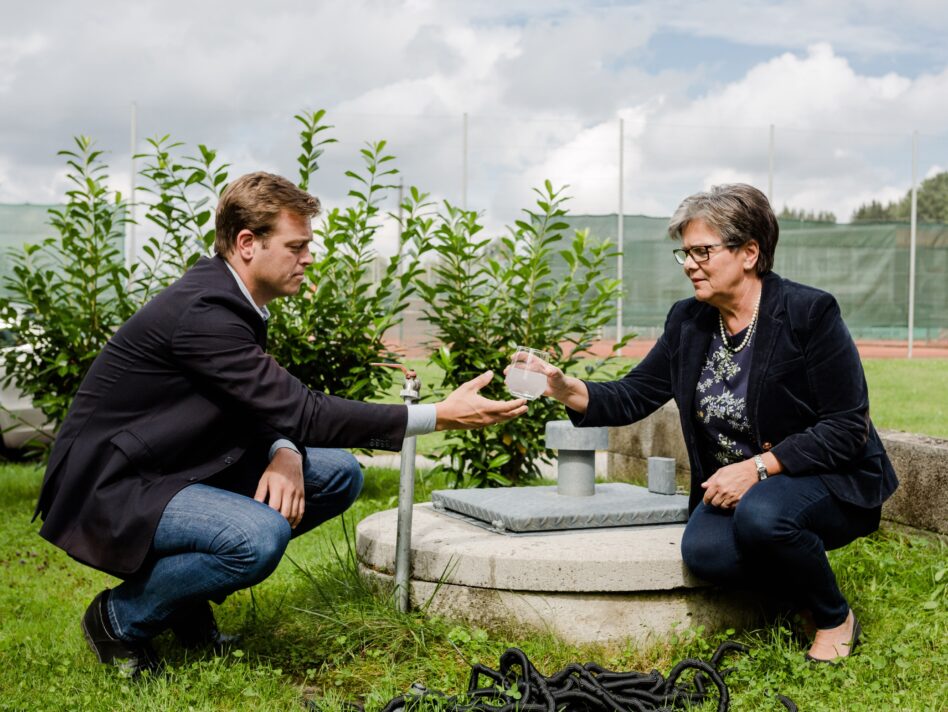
[517, 686]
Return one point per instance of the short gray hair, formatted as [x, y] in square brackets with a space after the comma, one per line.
[738, 213]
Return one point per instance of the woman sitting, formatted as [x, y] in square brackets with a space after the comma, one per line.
[785, 462]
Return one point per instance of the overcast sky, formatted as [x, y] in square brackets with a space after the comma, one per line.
[543, 83]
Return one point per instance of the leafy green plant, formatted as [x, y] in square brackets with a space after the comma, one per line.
[489, 296]
[184, 192]
[67, 294]
[331, 332]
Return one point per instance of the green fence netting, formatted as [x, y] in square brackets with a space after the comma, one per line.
[866, 266]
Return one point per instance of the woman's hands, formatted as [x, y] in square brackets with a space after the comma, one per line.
[725, 487]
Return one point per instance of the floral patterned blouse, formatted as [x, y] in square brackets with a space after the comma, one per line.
[721, 401]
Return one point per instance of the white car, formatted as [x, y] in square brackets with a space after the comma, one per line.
[21, 423]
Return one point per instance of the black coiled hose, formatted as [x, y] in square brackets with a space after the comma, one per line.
[517, 686]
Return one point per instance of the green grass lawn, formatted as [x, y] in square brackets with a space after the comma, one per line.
[909, 395]
[313, 630]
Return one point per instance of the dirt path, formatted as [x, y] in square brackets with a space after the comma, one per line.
[637, 348]
[867, 349]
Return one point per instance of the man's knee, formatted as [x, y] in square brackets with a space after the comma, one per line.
[353, 480]
[257, 543]
[333, 478]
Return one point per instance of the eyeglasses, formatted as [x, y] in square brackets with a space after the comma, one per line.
[699, 253]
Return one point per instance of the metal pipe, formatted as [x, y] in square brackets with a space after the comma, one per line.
[411, 393]
[406, 502]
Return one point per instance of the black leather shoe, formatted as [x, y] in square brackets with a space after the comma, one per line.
[194, 626]
[131, 658]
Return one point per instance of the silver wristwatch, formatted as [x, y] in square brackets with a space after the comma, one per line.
[761, 467]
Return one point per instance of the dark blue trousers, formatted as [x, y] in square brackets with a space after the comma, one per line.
[775, 541]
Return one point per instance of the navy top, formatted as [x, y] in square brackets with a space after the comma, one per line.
[721, 401]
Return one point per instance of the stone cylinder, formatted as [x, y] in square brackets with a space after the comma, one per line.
[661, 475]
[576, 473]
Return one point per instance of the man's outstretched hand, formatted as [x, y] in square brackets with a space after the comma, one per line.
[465, 408]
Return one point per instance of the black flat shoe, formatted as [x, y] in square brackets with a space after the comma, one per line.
[853, 642]
[194, 626]
[131, 658]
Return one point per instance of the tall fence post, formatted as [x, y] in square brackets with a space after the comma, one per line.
[131, 248]
[912, 239]
[401, 230]
[620, 231]
[464, 163]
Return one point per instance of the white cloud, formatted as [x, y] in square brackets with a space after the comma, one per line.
[15, 50]
[543, 89]
[861, 27]
[837, 133]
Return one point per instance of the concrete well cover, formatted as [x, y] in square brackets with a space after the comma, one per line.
[537, 509]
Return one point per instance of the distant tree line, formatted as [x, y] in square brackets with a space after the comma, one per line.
[823, 216]
[932, 204]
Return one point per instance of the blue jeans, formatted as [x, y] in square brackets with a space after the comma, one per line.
[211, 542]
[775, 541]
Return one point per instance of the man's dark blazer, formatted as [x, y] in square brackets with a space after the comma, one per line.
[807, 399]
[182, 391]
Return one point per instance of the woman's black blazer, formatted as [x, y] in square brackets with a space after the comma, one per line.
[807, 399]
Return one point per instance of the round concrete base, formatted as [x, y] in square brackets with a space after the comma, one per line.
[602, 585]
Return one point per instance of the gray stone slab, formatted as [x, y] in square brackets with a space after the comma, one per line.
[537, 509]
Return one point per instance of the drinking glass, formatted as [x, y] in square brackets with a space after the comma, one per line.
[526, 379]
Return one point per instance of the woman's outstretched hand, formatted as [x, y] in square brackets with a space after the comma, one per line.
[569, 391]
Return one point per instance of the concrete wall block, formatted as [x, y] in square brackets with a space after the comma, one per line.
[659, 434]
[921, 462]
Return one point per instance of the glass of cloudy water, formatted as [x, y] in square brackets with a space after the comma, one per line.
[526, 379]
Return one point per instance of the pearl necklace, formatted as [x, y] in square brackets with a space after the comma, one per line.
[747, 336]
